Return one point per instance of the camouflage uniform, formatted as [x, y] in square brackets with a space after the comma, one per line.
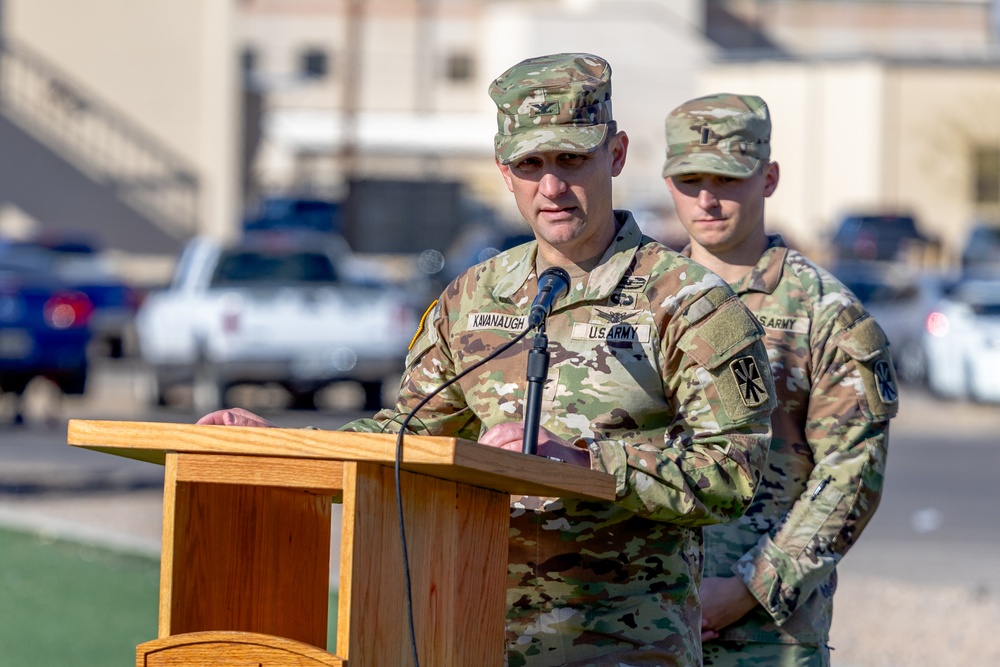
[823, 480]
[836, 393]
[654, 367]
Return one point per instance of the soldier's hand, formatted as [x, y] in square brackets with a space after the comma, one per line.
[724, 600]
[511, 436]
[235, 417]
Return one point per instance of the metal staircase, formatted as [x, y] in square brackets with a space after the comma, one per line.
[113, 154]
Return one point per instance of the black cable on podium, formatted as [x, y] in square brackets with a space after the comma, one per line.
[404, 425]
[552, 284]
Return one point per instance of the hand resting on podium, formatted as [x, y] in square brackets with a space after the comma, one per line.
[504, 436]
[235, 417]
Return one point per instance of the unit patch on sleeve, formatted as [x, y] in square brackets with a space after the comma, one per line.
[747, 375]
[885, 382]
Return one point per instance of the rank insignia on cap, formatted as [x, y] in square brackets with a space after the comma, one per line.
[748, 379]
[543, 108]
[885, 382]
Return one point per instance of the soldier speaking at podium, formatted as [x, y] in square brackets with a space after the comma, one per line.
[658, 376]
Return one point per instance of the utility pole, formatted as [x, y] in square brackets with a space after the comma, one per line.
[350, 91]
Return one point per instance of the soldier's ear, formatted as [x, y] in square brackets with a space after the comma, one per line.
[619, 149]
[505, 172]
[771, 177]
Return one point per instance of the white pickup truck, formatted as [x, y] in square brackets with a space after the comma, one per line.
[273, 309]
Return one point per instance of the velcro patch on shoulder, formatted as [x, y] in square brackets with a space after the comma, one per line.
[864, 340]
[426, 336]
[716, 338]
[707, 304]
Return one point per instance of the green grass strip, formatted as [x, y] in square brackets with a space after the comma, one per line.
[65, 603]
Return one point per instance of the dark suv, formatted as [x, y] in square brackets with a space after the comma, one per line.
[878, 237]
[981, 252]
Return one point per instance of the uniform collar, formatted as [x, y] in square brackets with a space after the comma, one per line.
[766, 274]
[520, 264]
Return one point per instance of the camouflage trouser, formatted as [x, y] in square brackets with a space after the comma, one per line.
[755, 654]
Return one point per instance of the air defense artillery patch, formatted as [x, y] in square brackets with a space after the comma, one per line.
[885, 382]
[748, 379]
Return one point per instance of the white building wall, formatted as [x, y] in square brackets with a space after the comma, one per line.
[873, 136]
[827, 136]
[167, 65]
[655, 50]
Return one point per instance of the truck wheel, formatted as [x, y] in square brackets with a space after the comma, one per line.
[373, 395]
[149, 388]
[302, 400]
[207, 394]
[74, 383]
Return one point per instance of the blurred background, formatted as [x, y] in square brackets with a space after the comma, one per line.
[189, 189]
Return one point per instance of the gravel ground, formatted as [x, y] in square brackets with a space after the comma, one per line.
[884, 623]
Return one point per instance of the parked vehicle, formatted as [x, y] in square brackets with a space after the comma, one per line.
[43, 329]
[981, 252]
[279, 309]
[294, 213]
[962, 342]
[875, 237]
[85, 268]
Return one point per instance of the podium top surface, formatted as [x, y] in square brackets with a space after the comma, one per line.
[446, 458]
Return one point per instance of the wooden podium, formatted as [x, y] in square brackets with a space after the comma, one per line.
[244, 569]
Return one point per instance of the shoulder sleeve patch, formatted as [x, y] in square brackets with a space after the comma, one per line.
[727, 345]
[752, 388]
[426, 336]
[423, 321]
[867, 345]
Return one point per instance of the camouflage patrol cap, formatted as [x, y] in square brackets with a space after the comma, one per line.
[556, 102]
[722, 134]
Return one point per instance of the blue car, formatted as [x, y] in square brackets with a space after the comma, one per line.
[44, 330]
[81, 266]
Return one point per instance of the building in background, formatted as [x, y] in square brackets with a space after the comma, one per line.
[878, 105]
[121, 117]
[878, 135]
[397, 89]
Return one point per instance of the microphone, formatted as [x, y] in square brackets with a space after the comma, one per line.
[552, 284]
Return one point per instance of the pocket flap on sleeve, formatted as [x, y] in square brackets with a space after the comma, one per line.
[864, 341]
[721, 335]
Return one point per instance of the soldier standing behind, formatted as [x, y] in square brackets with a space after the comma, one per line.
[771, 574]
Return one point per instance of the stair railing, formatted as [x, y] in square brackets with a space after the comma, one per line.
[98, 140]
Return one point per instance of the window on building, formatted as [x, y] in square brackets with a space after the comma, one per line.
[986, 171]
[459, 67]
[314, 63]
[249, 60]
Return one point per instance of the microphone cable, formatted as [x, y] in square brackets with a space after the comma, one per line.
[404, 425]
